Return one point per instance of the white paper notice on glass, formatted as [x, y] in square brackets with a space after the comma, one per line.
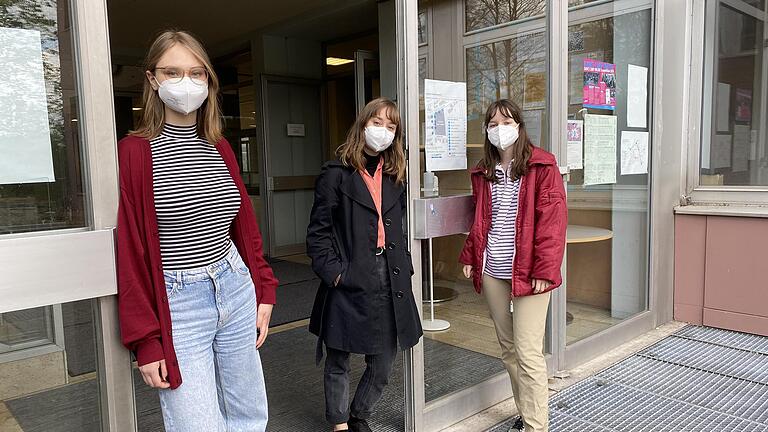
[637, 96]
[532, 121]
[445, 110]
[721, 151]
[599, 149]
[25, 138]
[723, 103]
[741, 136]
[575, 133]
[634, 152]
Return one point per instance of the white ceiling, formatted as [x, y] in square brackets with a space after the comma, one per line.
[225, 26]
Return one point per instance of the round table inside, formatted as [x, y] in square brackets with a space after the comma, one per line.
[587, 234]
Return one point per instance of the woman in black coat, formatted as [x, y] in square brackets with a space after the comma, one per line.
[359, 250]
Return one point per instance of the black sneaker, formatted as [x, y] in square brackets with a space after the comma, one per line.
[519, 426]
[358, 425]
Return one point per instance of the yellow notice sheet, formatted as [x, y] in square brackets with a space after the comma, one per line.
[599, 149]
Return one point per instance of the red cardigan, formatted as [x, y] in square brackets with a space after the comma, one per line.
[145, 319]
[542, 218]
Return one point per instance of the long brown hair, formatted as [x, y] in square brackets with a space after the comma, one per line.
[153, 115]
[351, 152]
[523, 148]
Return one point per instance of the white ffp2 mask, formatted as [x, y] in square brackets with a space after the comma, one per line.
[503, 136]
[378, 138]
[183, 96]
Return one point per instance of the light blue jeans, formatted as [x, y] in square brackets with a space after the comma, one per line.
[213, 316]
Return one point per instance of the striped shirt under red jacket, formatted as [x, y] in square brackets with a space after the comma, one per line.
[145, 319]
[540, 226]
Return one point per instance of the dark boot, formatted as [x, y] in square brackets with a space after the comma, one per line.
[358, 425]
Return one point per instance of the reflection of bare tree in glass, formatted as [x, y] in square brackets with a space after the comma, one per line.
[486, 13]
[53, 199]
[497, 70]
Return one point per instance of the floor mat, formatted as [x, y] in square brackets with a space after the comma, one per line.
[698, 379]
[296, 292]
[294, 388]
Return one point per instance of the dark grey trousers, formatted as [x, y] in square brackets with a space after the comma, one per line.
[378, 366]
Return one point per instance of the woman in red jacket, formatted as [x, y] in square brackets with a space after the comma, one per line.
[195, 293]
[514, 251]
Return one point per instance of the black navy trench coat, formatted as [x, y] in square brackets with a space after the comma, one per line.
[341, 240]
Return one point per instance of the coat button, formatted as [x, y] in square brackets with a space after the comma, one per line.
[169, 332]
[391, 245]
[396, 271]
[165, 299]
[387, 221]
[399, 294]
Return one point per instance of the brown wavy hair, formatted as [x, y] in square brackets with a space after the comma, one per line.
[351, 152]
[522, 148]
[153, 115]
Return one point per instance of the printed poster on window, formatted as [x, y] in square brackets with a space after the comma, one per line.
[743, 105]
[599, 85]
[575, 144]
[634, 152]
[599, 149]
[25, 137]
[535, 86]
[445, 109]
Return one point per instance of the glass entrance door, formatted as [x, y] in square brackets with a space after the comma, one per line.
[581, 72]
[608, 151]
[62, 367]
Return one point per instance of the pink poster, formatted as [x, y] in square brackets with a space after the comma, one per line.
[599, 85]
[743, 105]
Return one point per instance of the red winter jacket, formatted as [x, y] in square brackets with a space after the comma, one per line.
[145, 319]
[540, 227]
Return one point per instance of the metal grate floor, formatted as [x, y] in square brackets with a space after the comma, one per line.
[699, 379]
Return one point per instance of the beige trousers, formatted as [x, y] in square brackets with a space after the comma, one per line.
[521, 336]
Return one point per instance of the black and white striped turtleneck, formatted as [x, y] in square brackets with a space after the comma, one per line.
[196, 199]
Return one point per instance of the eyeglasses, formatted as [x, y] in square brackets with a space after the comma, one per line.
[198, 75]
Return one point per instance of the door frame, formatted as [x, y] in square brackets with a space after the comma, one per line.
[360, 57]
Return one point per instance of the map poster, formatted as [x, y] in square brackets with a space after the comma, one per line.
[599, 85]
[634, 152]
[445, 109]
[599, 149]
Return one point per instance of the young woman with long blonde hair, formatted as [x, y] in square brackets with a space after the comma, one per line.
[195, 292]
[359, 250]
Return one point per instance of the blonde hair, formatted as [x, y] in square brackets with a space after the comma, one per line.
[351, 152]
[153, 115]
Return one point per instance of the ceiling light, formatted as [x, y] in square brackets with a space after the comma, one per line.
[137, 108]
[335, 61]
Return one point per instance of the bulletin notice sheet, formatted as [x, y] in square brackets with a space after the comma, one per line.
[599, 149]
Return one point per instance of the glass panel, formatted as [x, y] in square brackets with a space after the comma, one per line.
[608, 151]
[48, 374]
[514, 68]
[41, 186]
[23, 329]
[480, 14]
[734, 145]
[468, 352]
[423, 27]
